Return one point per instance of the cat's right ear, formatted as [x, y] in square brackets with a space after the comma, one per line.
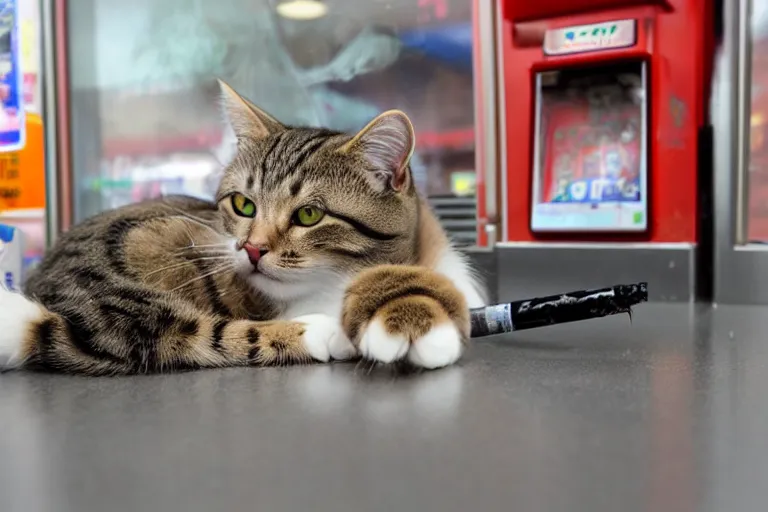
[387, 143]
[245, 118]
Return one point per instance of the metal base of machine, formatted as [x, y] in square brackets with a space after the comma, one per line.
[518, 270]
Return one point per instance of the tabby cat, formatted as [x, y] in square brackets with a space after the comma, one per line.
[317, 247]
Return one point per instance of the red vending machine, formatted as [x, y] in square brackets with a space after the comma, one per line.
[603, 113]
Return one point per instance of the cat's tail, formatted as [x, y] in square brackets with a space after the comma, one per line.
[32, 335]
[106, 343]
[18, 318]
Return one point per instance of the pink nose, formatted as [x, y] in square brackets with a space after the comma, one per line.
[254, 253]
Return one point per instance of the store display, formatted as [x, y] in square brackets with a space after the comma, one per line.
[22, 152]
[22, 189]
[12, 124]
[29, 54]
[22, 174]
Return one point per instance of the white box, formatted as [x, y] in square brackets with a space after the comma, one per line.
[11, 257]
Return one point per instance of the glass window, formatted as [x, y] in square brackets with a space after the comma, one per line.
[143, 75]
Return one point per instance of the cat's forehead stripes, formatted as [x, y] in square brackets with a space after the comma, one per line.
[287, 152]
[304, 143]
[295, 187]
[268, 159]
[277, 167]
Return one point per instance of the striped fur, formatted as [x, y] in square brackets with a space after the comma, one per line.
[166, 285]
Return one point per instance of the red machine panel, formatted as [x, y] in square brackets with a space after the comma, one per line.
[637, 151]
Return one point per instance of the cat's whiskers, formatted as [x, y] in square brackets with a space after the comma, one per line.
[188, 215]
[182, 263]
[203, 252]
[291, 265]
[358, 365]
[202, 246]
[228, 294]
[219, 270]
[188, 232]
[189, 218]
[194, 221]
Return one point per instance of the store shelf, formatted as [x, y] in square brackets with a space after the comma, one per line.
[452, 201]
[458, 216]
[33, 214]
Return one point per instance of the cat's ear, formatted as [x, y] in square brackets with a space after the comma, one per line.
[245, 118]
[387, 144]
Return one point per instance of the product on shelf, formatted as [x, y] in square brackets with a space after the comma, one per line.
[11, 257]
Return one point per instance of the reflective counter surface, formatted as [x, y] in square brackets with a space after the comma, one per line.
[668, 412]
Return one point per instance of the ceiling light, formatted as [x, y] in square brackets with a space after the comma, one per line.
[302, 9]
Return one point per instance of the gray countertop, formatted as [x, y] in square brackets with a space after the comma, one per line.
[669, 412]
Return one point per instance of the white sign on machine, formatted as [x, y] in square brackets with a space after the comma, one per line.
[589, 38]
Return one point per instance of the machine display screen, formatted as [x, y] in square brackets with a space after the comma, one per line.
[590, 150]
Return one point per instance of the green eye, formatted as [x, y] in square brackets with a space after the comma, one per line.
[308, 216]
[243, 206]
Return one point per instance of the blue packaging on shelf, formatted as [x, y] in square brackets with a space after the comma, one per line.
[11, 257]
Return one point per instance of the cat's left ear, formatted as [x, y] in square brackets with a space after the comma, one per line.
[387, 143]
[246, 119]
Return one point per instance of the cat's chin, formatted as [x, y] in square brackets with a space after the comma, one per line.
[278, 290]
[314, 293]
[255, 277]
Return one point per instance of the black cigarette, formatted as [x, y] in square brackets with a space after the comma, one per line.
[556, 309]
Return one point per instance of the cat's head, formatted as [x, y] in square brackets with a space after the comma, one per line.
[308, 208]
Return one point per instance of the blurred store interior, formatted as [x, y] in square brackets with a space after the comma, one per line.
[507, 134]
[564, 144]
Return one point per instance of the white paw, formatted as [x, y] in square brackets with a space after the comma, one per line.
[16, 313]
[324, 338]
[441, 346]
[379, 345]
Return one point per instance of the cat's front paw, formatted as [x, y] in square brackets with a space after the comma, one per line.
[324, 338]
[440, 346]
[395, 313]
